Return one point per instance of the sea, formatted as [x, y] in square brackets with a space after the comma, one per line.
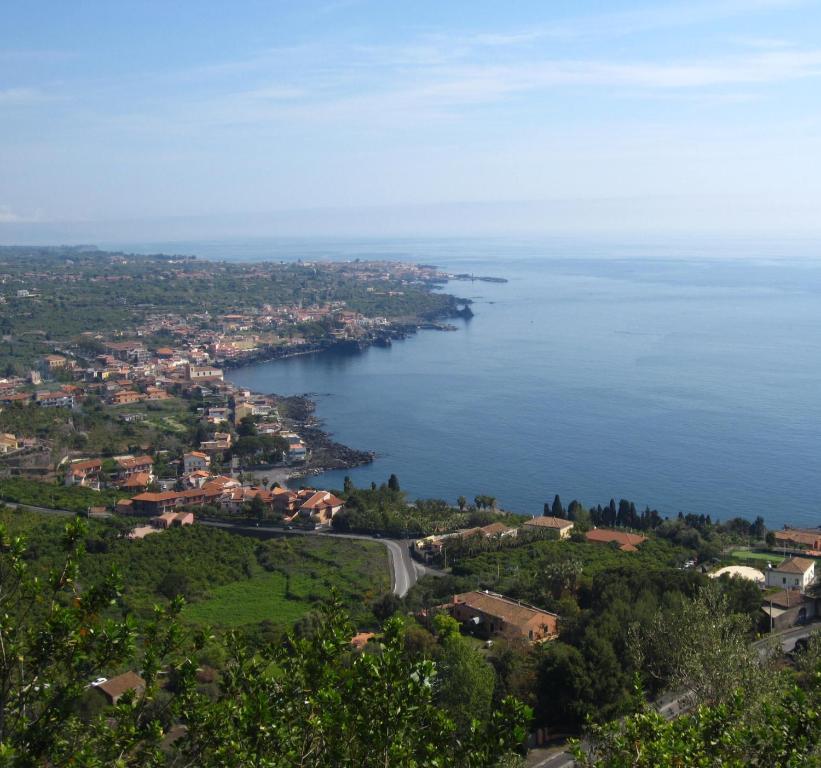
[679, 373]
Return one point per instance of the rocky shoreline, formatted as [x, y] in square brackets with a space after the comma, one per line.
[298, 411]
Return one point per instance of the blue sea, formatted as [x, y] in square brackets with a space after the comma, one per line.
[680, 374]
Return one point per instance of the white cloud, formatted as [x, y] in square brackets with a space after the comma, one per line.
[22, 96]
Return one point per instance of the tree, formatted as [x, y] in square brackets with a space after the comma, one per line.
[347, 484]
[393, 482]
[786, 734]
[310, 701]
[247, 427]
[462, 502]
[465, 684]
[557, 509]
[256, 509]
[700, 647]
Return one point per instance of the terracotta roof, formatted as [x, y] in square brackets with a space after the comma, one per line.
[117, 686]
[360, 640]
[795, 565]
[134, 461]
[545, 521]
[85, 465]
[511, 612]
[163, 496]
[137, 480]
[198, 454]
[807, 537]
[622, 538]
[787, 598]
[495, 529]
[322, 499]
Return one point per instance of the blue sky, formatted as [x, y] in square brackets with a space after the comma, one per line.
[300, 117]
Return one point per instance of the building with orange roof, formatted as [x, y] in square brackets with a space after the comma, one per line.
[554, 526]
[627, 542]
[490, 614]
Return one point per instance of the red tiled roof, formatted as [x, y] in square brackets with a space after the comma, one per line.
[546, 521]
[117, 686]
[795, 565]
[622, 538]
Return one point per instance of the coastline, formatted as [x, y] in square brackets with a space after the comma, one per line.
[325, 453]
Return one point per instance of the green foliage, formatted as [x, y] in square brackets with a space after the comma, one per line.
[54, 496]
[310, 702]
[786, 734]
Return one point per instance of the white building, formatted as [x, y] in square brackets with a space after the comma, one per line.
[794, 573]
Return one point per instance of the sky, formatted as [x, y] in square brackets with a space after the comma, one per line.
[156, 120]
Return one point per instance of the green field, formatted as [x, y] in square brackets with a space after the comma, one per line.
[749, 554]
[295, 575]
[262, 597]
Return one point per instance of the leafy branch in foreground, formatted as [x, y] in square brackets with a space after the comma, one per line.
[311, 702]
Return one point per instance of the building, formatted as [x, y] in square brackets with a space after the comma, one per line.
[556, 526]
[132, 465]
[8, 442]
[490, 614]
[54, 362]
[627, 542]
[789, 607]
[171, 519]
[195, 461]
[114, 688]
[321, 507]
[794, 573]
[126, 397]
[54, 399]
[85, 472]
[200, 373]
[800, 537]
[156, 504]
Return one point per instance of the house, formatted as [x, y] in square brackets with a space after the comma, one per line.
[794, 573]
[800, 537]
[221, 442]
[156, 393]
[54, 399]
[126, 397]
[498, 531]
[114, 688]
[156, 504]
[139, 481]
[321, 507]
[195, 461]
[789, 607]
[202, 373]
[85, 472]
[627, 542]
[54, 362]
[170, 519]
[8, 442]
[491, 614]
[131, 465]
[554, 526]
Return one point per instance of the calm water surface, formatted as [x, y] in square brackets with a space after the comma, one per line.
[680, 376]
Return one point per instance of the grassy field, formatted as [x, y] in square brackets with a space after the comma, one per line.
[294, 575]
[262, 597]
[749, 554]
